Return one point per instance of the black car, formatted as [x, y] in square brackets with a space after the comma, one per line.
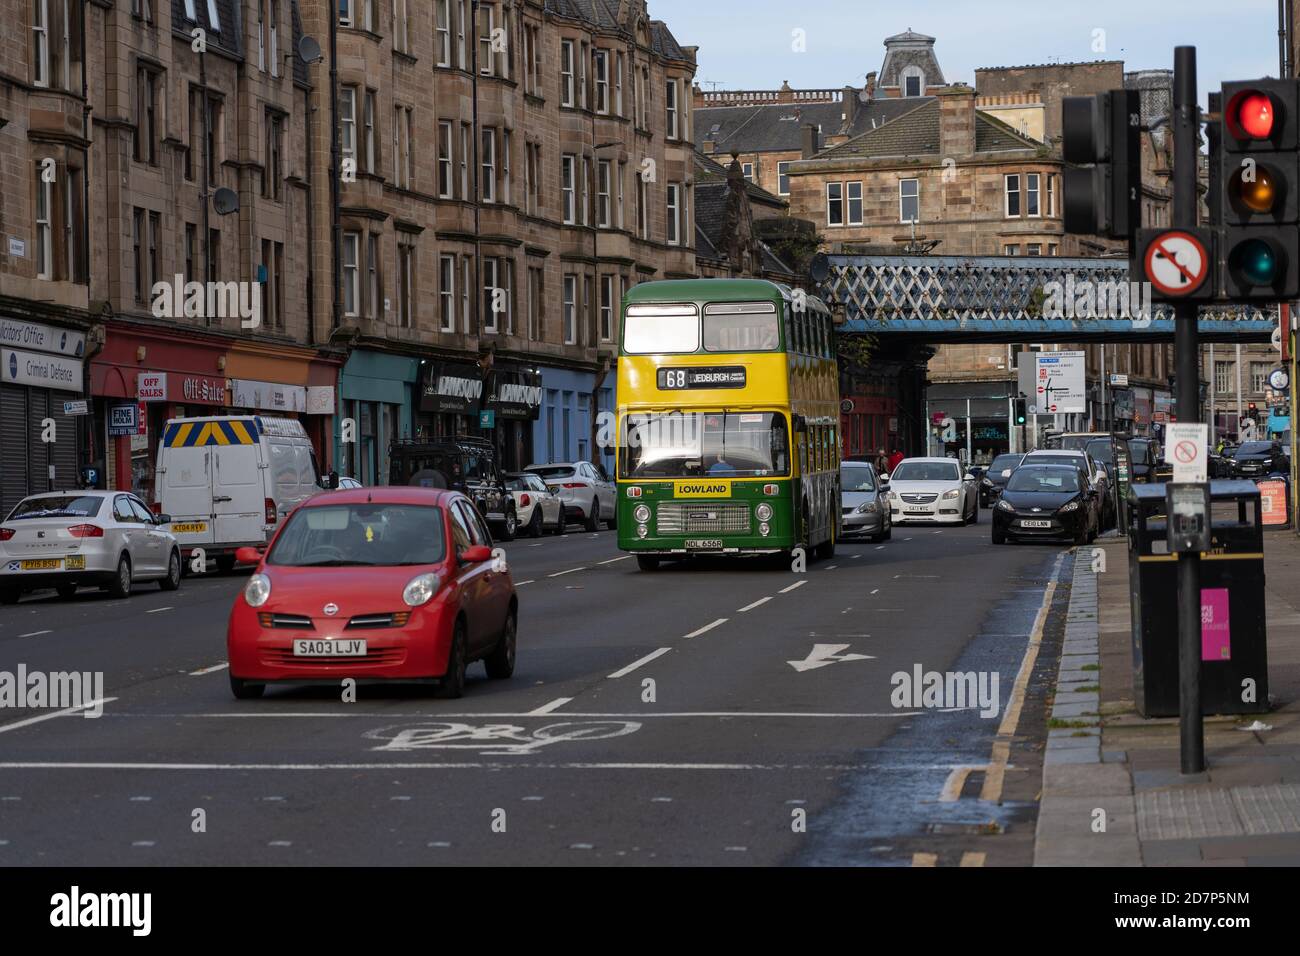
[1147, 462]
[461, 463]
[1046, 501]
[995, 478]
[1256, 459]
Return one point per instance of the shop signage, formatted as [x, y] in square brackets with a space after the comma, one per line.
[43, 338]
[320, 399]
[123, 419]
[76, 408]
[487, 418]
[151, 386]
[452, 387]
[204, 391]
[269, 396]
[516, 394]
[44, 371]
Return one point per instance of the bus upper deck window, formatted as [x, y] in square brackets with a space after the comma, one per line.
[742, 327]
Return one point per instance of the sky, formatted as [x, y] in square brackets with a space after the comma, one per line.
[748, 44]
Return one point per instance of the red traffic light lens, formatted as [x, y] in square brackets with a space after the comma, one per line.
[1254, 114]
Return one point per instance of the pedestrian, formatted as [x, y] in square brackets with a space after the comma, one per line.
[882, 462]
[894, 459]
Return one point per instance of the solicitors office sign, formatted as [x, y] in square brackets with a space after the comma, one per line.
[18, 367]
[42, 338]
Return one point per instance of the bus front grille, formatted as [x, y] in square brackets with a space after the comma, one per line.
[683, 518]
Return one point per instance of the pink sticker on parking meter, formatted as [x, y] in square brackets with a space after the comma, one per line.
[1216, 635]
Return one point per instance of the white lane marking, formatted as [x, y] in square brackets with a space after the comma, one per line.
[438, 843]
[876, 591]
[497, 714]
[144, 843]
[749, 607]
[823, 655]
[615, 560]
[35, 633]
[466, 765]
[157, 609]
[635, 664]
[830, 567]
[210, 670]
[520, 584]
[860, 555]
[280, 843]
[879, 547]
[100, 701]
[707, 627]
[560, 574]
[797, 584]
[551, 707]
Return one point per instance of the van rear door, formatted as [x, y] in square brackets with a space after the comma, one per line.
[238, 495]
[185, 489]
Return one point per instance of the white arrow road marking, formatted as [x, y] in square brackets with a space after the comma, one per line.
[823, 654]
[209, 670]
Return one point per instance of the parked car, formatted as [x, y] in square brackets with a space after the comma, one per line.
[933, 489]
[229, 480]
[1095, 473]
[1046, 501]
[347, 484]
[864, 502]
[459, 463]
[1148, 461]
[67, 539]
[384, 584]
[1256, 459]
[995, 478]
[538, 507]
[587, 491]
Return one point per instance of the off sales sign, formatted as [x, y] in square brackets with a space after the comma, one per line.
[151, 386]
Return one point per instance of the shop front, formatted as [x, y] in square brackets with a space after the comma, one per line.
[513, 403]
[868, 423]
[566, 426]
[287, 382]
[42, 386]
[451, 398]
[378, 393]
[1122, 410]
[138, 381]
[1143, 409]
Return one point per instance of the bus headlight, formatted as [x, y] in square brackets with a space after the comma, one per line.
[763, 512]
[642, 531]
[765, 529]
[641, 513]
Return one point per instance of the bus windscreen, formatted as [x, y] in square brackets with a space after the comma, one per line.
[661, 329]
[692, 444]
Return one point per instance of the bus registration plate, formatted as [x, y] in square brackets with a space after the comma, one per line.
[703, 544]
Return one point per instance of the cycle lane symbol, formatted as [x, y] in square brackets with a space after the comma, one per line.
[493, 739]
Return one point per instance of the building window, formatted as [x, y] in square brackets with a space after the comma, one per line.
[606, 308]
[142, 9]
[374, 304]
[570, 309]
[602, 193]
[466, 289]
[137, 258]
[371, 145]
[1034, 249]
[618, 84]
[214, 254]
[405, 280]
[909, 200]
[582, 75]
[1259, 375]
[567, 188]
[834, 204]
[191, 240]
[351, 266]
[670, 102]
[273, 174]
[400, 39]
[566, 72]
[642, 210]
[41, 43]
[444, 160]
[855, 203]
[273, 287]
[447, 292]
[586, 191]
[214, 21]
[345, 12]
[73, 219]
[1012, 196]
[146, 116]
[622, 176]
[747, 170]
[1031, 195]
[442, 32]
[1053, 249]
[44, 226]
[912, 86]
[462, 53]
[600, 69]
[536, 302]
[1223, 377]
[485, 59]
[214, 136]
[783, 179]
[674, 214]
[490, 277]
[1051, 195]
[464, 160]
[488, 187]
[1011, 250]
[348, 123]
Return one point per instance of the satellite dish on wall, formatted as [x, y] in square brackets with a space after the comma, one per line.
[225, 201]
[820, 267]
[308, 50]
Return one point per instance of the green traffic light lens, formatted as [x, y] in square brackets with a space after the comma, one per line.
[1255, 261]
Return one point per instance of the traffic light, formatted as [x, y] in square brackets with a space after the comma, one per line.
[1101, 135]
[1020, 415]
[1252, 412]
[1260, 191]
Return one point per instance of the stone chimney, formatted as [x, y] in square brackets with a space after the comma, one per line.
[786, 93]
[956, 121]
[811, 146]
[871, 86]
[851, 104]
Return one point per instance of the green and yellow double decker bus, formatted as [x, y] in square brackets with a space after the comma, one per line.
[728, 421]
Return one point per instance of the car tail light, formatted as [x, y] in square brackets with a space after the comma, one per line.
[86, 531]
[573, 484]
[524, 501]
[270, 511]
[6, 533]
[634, 491]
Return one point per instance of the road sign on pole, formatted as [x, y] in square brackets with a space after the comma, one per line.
[1177, 262]
[1185, 448]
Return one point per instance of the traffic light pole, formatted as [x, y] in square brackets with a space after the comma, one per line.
[1187, 367]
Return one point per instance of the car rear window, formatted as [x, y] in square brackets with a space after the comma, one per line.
[1004, 462]
[58, 506]
[557, 472]
[361, 535]
[1255, 448]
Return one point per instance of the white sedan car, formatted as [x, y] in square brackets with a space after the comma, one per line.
[66, 539]
[933, 489]
[588, 493]
[537, 507]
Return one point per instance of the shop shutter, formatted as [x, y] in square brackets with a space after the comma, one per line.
[38, 451]
[13, 446]
[63, 453]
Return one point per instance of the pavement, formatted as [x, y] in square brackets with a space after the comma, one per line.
[722, 713]
[1113, 793]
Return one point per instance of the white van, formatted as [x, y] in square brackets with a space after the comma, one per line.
[229, 480]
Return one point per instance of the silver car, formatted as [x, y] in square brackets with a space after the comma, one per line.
[67, 539]
[864, 502]
[588, 494]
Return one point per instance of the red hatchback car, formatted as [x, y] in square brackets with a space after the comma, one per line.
[374, 584]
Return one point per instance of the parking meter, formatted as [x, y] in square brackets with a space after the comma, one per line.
[1188, 509]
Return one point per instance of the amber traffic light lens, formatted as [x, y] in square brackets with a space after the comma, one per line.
[1255, 187]
[1254, 114]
